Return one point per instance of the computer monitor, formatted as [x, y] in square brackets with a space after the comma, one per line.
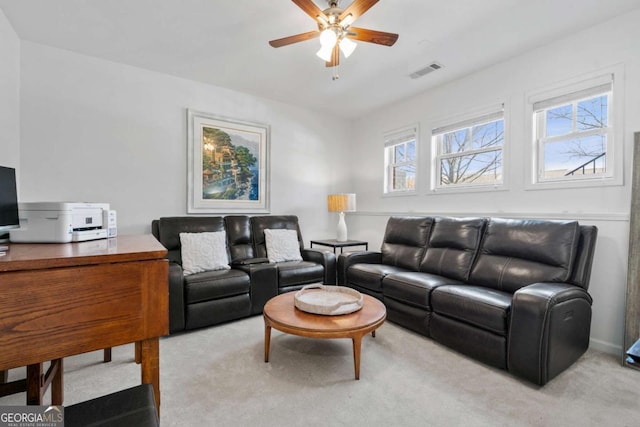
[8, 202]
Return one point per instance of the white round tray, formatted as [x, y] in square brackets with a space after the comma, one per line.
[328, 300]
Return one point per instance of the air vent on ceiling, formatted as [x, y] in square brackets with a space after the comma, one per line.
[426, 70]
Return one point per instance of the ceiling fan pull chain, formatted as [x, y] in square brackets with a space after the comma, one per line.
[335, 76]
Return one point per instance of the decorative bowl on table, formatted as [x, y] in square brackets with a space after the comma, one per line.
[328, 300]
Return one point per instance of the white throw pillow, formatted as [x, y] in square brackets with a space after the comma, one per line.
[204, 251]
[282, 245]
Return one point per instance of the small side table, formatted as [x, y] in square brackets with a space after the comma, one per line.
[333, 243]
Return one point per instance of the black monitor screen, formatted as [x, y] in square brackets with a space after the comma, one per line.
[8, 198]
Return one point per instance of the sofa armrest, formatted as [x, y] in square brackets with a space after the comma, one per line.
[549, 330]
[263, 283]
[326, 258]
[346, 260]
[176, 298]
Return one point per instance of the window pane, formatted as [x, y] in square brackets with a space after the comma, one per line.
[411, 151]
[398, 153]
[592, 113]
[559, 120]
[488, 134]
[455, 142]
[573, 157]
[404, 177]
[481, 168]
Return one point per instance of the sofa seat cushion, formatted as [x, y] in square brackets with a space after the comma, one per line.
[482, 307]
[293, 273]
[215, 284]
[414, 288]
[369, 276]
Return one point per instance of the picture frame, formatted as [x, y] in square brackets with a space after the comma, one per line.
[227, 165]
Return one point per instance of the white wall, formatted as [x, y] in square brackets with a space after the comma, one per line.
[611, 43]
[99, 131]
[9, 95]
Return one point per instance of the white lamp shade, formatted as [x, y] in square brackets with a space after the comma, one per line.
[328, 38]
[325, 53]
[347, 46]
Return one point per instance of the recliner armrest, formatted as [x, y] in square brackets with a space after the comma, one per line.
[176, 298]
[346, 260]
[263, 283]
[549, 329]
[326, 258]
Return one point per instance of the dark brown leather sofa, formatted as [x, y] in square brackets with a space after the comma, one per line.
[510, 293]
[212, 297]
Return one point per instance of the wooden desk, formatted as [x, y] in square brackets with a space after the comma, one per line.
[57, 300]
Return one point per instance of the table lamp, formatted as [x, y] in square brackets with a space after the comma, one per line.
[341, 203]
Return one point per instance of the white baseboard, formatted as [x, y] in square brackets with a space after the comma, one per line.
[605, 347]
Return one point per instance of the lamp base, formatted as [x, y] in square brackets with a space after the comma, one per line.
[342, 229]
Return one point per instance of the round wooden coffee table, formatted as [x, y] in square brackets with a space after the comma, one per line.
[280, 313]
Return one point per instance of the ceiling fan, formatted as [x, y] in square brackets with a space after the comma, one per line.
[335, 31]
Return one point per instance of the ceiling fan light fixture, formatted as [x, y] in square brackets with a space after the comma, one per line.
[347, 47]
[347, 21]
[328, 38]
[325, 53]
[322, 20]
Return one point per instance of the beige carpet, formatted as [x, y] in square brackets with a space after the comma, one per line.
[217, 377]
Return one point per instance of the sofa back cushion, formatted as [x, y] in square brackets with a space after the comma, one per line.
[274, 222]
[239, 237]
[516, 253]
[453, 246]
[405, 240]
[169, 229]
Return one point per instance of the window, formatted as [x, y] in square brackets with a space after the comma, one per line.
[469, 153]
[400, 156]
[573, 134]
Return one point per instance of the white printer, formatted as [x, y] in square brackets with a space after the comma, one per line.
[61, 222]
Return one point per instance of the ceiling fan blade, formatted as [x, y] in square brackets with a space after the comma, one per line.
[294, 39]
[357, 8]
[372, 36]
[310, 9]
[335, 57]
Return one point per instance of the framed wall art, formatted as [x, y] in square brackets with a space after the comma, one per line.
[228, 165]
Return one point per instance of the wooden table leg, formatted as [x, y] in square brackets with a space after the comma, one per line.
[34, 378]
[357, 345]
[57, 384]
[150, 366]
[267, 342]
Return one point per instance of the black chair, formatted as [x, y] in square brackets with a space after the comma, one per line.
[133, 407]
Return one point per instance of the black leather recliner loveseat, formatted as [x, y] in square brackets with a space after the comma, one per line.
[212, 297]
[510, 293]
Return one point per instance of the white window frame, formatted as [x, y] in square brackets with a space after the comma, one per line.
[605, 81]
[391, 140]
[474, 118]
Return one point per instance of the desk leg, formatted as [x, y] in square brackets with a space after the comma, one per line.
[34, 381]
[150, 366]
[57, 384]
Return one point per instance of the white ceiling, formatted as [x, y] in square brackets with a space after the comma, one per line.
[224, 42]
